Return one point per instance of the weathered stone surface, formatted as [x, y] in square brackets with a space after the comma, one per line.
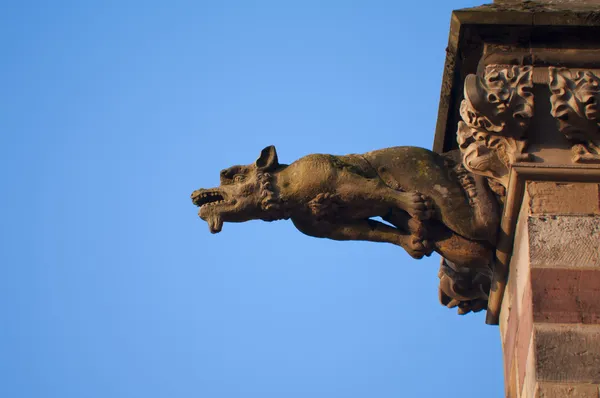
[566, 390]
[566, 295]
[564, 241]
[567, 353]
[563, 198]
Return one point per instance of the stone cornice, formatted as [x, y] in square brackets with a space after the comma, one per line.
[503, 34]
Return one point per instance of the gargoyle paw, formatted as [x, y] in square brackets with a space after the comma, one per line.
[419, 206]
[419, 247]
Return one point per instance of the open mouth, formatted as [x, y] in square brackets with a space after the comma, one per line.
[206, 199]
[209, 198]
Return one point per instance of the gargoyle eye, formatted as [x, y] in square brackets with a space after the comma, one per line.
[239, 178]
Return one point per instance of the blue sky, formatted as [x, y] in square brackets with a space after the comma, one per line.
[113, 112]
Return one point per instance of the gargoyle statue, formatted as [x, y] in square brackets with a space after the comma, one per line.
[429, 202]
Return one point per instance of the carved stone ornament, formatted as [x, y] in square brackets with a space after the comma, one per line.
[496, 112]
[465, 288]
[575, 103]
[429, 202]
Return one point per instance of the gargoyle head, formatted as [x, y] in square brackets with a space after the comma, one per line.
[246, 193]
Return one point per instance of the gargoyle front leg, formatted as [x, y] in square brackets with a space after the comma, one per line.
[368, 230]
[375, 194]
[402, 220]
[412, 226]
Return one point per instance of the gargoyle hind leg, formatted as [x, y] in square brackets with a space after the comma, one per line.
[368, 230]
[436, 236]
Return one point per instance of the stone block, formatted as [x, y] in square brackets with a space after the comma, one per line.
[567, 353]
[564, 390]
[564, 241]
[566, 295]
[563, 198]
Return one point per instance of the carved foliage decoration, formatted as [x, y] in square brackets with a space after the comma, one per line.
[496, 112]
[575, 105]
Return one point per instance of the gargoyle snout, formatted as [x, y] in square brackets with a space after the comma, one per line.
[196, 195]
[201, 197]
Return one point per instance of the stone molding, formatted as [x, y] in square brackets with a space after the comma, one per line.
[520, 33]
[498, 107]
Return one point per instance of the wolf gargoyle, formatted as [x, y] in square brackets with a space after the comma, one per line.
[429, 202]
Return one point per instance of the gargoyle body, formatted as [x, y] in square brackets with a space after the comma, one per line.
[428, 202]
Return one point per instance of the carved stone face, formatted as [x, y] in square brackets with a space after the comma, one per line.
[241, 194]
[478, 158]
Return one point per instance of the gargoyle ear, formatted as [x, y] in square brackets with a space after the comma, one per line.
[268, 159]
